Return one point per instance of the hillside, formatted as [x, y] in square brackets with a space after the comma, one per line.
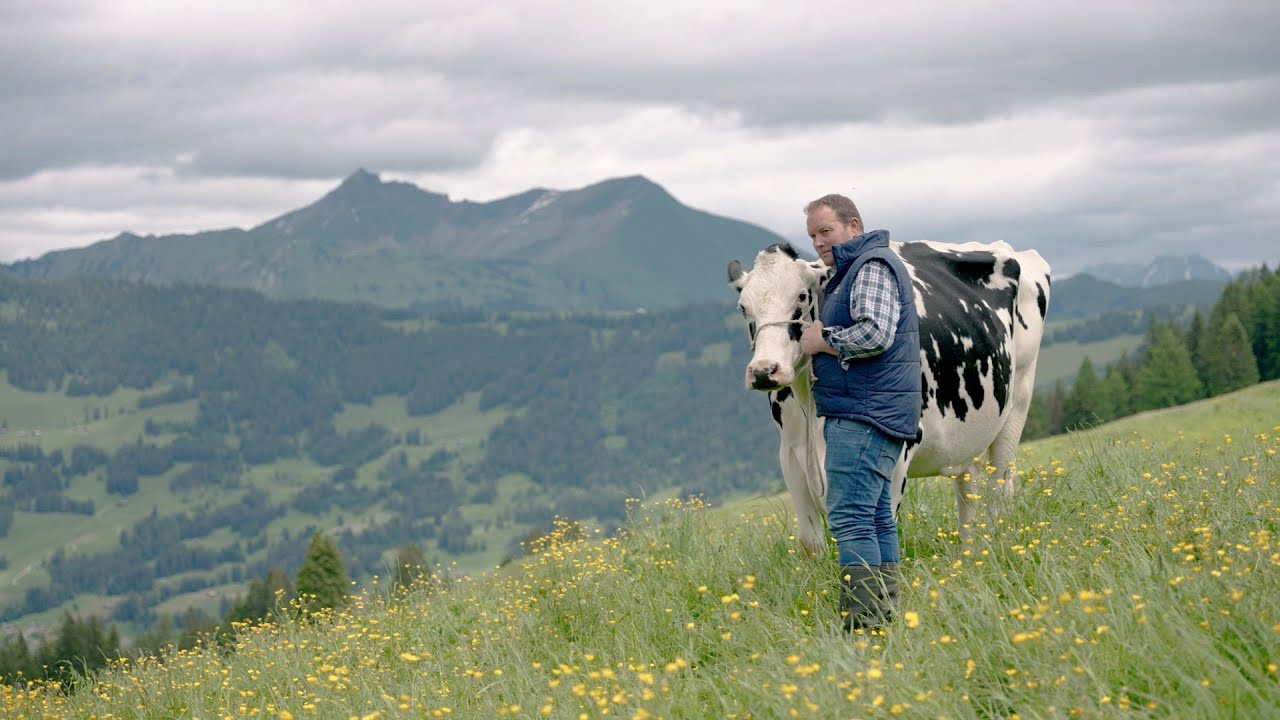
[129, 410]
[162, 446]
[1134, 576]
[619, 244]
[1083, 296]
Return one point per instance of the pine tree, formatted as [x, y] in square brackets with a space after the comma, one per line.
[1054, 408]
[1236, 300]
[1037, 425]
[1166, 376]
[1115, 384]
[1265, 331]
[322, 579]
[263, 598]
[1198, 343]
[1231, 361]
[411, 566]
[1087, 404]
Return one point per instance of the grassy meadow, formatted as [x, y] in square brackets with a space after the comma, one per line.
[1134, 575]
[1061, 361]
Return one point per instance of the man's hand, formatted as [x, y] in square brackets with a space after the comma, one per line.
[812, 342]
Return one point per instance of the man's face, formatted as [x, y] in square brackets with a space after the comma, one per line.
[826, 231]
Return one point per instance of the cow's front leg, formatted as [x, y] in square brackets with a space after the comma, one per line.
[968, 495]
[810, 506]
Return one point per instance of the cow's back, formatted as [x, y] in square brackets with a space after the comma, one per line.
[980, 331]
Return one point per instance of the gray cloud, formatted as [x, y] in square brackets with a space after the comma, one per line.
[1079, 128]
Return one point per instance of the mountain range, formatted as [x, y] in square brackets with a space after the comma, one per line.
[620, 244]
[616, 245]
[1163, 270]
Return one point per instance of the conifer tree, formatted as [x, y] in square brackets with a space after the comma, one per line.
[1166, 376]
[1265, 332]
[1037, 425]
[1236, 299]
[1087, 404]
[1116, 386]
[322, 579]
[1198, 343]
[1231, 361]
[1054, 408]
[263, 598]
[411, 565]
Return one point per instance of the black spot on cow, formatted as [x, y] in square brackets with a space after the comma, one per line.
[794, 330]
[962, 311]
[1042, 300]
[775, 407]
[783, 394]
[751, 330]
[785, 249]
[973, 373]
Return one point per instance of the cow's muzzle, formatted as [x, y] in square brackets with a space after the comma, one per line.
[764, 377]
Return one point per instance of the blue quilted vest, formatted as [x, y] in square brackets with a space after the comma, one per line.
[882, 390]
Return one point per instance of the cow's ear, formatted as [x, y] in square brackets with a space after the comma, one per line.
[737, 276]
[815, 272]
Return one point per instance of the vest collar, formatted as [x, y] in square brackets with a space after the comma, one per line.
[847, 252]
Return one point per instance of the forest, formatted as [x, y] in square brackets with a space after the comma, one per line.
[1236, 344]
[593, 403]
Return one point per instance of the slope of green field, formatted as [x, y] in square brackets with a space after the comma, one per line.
[1061, 361]
[1133, 576]
[61, 425]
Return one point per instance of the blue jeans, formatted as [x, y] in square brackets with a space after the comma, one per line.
[860, 462]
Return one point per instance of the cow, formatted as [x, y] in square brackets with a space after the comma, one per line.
[981, 308]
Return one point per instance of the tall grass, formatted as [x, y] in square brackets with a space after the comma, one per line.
[1128, 578]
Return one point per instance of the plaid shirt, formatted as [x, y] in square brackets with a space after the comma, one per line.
[874, 307]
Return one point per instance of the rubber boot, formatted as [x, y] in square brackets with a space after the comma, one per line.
[862, 601]
[890, 574]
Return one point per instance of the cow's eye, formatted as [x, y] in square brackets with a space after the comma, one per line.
[742, 310]
[804, 297]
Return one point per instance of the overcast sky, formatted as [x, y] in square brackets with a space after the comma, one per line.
[1087, 130]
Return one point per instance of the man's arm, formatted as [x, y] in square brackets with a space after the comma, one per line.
[874, 307]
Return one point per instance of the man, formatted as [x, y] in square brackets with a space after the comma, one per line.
[866, 358]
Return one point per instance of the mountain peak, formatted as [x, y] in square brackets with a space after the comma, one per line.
[1162, 270]
[628, 182]
[361, 205]
[361, 177]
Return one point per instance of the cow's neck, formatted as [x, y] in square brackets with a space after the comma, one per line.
[800, 414]
[802, 387]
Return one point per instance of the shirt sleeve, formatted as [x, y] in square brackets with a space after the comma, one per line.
[874, 307]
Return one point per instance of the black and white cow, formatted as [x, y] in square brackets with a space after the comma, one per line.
[981, 309]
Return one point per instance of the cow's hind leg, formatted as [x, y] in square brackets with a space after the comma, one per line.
[969, 492]
[899, 488]
[1004, 449]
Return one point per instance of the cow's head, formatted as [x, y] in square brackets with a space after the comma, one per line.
[778, 297]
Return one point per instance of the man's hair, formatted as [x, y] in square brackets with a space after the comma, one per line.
[843, 207]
